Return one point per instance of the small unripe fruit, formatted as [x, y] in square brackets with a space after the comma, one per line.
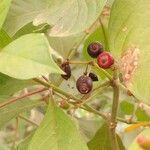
[66, 68]
[93, 76]
[94, 49]
[105, 60]
[84, 84]
[144, 142]
[63, 104]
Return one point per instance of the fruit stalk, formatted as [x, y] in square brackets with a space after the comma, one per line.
[13, 100]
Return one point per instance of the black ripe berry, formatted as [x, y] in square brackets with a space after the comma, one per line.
[84, 84]
[93, 76]
[94, 49]
[105, 60]
[66, 68]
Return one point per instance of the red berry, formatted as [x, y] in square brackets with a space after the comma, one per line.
[105, 60]
[84, 84]
[66, 68]
[94, 49]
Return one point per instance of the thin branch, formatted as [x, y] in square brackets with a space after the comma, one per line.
[105, 84]
[45, 78]
[28, 120]
[90, 109]
[13, 100]
[81, 62]
[105, 115]
[46, 84]
[56, 89]
[127, 121]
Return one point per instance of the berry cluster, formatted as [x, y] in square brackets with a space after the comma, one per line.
[84, 83]
[104, 59]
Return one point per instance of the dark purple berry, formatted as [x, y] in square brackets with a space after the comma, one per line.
[84, 84]
[94, 49]
[66, 68]
[105, 60]
[93, 76]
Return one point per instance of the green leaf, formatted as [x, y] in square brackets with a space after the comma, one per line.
[63, 45]
[23, 145]
[89, 126]
[110, 2]
[126, 107]
[57, 131]
[134, 145]
[67, 17]
[22, 12]
[4, 39]
[101, 140]
[129, 36]
[73, 17]
[141, 115]
[12, 110]
[30, 28]
[4, 7]
[28, 57]
[9, 86]
[3, 147]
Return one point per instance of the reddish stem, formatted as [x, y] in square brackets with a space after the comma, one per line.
[21, 97]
